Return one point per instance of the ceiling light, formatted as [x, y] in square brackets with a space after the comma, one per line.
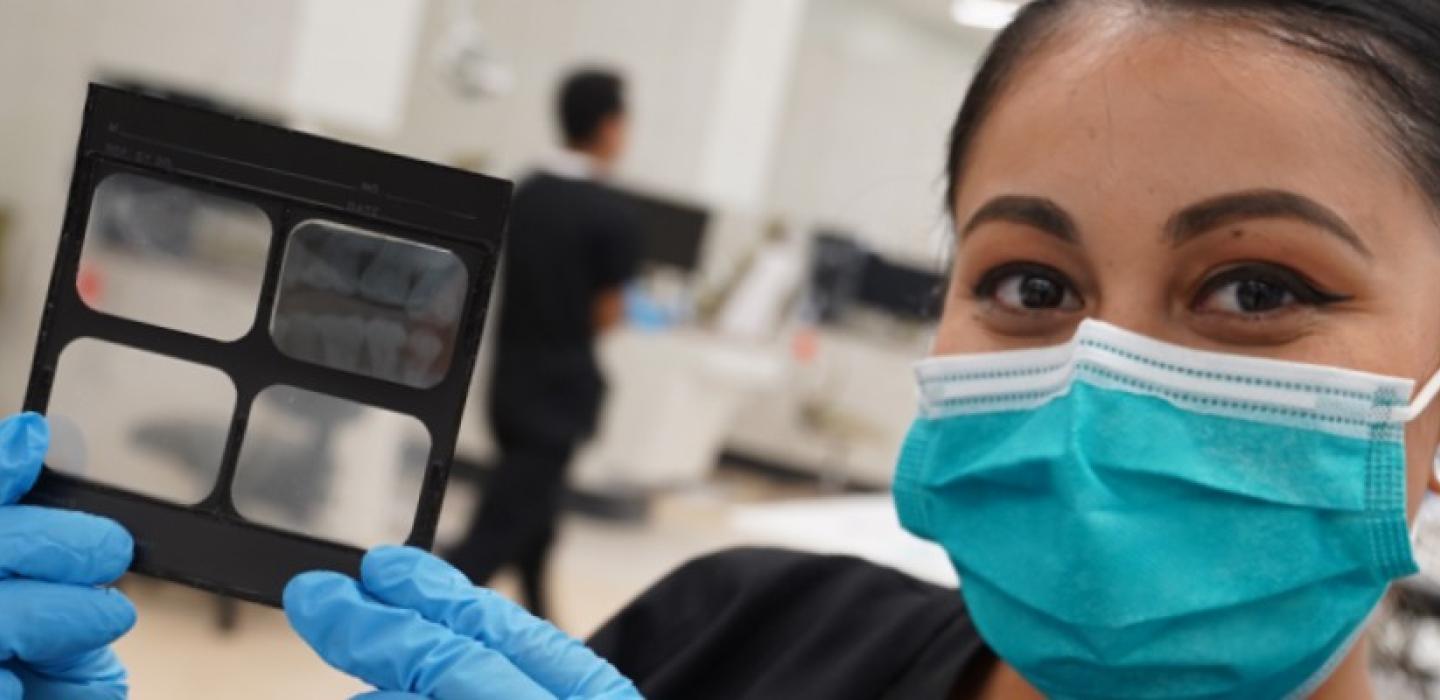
[985, 14]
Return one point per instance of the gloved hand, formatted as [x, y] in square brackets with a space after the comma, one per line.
[56, 621]
[415, 625]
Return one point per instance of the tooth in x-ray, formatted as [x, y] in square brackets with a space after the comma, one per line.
[298, 335]
[387, 279]
[345, 253]
[306, 269]
[439, 293]
[383, 343]
[421, 350]
[343, 337]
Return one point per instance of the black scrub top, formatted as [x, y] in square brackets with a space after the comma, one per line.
[769, 623]
[569, 241]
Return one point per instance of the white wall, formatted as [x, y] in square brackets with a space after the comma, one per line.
[670, 53]
[353, 62]
[749, 99]
[864, 138]
[49, 50]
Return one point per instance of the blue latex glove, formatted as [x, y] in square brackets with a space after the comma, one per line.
[413, 627]
[56, 621]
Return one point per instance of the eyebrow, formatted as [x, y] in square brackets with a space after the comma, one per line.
[1038, 213]
[1211, 214]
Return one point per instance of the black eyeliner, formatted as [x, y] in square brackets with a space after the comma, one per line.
[1305, 291]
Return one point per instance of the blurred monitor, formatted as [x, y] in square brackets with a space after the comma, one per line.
[837, 264]
[909, 292]
[672, 233]
[845, 274]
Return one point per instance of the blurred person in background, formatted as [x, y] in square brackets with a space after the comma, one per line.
[569, 253]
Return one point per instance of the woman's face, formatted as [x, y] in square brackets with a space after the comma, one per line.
[1203, 185]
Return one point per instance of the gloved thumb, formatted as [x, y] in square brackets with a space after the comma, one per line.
[394, 648]
[412, 579]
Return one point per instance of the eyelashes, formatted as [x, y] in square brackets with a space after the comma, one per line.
[1262, 283]
[1250, 289]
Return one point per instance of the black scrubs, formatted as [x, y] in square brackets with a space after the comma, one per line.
[570, 241]
[769, 623]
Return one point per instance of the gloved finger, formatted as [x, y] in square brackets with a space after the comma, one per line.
[396, 649]
[410, 578]
[66, 691]
[44, 622]
[23, 441]
[62, 546]
[45, 690]
[94, 674]
[10, 688]
[388, 695]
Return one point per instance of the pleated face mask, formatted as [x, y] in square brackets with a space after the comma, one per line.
[1134, 520]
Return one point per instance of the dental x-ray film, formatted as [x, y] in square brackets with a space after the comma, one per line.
[257, 343]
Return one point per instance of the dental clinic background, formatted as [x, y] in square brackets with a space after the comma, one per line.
[786, 156]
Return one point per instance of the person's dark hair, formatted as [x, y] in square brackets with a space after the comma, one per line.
[1389, 48]
[587, 98]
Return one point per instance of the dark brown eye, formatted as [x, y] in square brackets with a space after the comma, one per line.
[1259, 296]
[1040, 293]
[1029, 288]
[1258, 289]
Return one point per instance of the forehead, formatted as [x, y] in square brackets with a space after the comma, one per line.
[1163, 112]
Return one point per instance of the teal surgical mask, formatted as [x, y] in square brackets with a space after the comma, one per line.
[1133, 519]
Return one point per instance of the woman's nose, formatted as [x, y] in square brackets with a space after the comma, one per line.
[1136, 305]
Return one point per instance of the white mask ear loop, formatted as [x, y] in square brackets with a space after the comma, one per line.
[1421, 401]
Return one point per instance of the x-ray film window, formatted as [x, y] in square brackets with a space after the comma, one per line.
[138, 420]
[330, 468]
[367, 303]
[174, 257]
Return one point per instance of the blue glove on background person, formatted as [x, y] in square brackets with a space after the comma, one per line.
[416, 625]
[56, 619]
